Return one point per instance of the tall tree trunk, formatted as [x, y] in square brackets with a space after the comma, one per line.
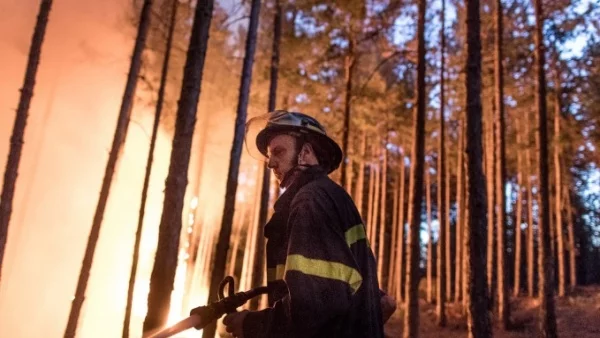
[466, 229]
[18, 133]
[530, 230]
[370, 200]
[360, 184]
[444, 277]
[547, 307]
[442, 255]
[572, 247]
[234, 161]
[518, 213]
[382, 249]
[391, 285]
[459, 213]
[411, 318]
[165, 262]
[502, 244]
[478, 316]
[156, 123]
[449, 259]
[399, 274]
[115, 151]
[560, 251]
[349, 64]
[376, 198]
[490, 160]
[430, 236]
[259, 261]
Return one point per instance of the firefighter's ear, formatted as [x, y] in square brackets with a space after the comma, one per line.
[307, 155]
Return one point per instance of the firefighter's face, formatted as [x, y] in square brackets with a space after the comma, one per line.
[282, 155]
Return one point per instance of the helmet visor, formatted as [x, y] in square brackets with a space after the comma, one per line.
[253, 127]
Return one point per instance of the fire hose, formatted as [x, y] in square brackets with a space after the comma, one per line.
[202, 316]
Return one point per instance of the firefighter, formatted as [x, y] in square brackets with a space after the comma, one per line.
[321, 271]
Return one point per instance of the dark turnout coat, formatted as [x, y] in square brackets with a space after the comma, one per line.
[321, 270]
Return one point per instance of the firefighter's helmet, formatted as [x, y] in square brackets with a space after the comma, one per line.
[261, 129]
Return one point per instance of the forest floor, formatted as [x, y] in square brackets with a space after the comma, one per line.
[578, 316]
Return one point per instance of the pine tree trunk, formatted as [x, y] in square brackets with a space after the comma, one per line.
[442, 277]
[518, 213]
[547, 307]
[376, 197]
[360, 184]
[502, 243]
[411, 318]
[156, 123]
[466, 229]
[391, 285]
[572, 247]
[234, 161]
[117, 145]
[560, 254]
[449, 259]
[382, 249]
[399, 275]
[459, 213]
[530, 230]
[491, 206]
[430, 241]
[349, 73]
[165, 262]
[370, 200]
[478, 316]
[18, 132]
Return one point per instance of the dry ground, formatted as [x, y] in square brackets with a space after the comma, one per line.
[578, 316]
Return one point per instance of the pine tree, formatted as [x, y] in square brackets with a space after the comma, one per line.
[16, 139]
[165, 262]
[478, 316]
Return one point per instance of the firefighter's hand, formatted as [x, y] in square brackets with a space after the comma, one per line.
[234, 323]
[388, 306]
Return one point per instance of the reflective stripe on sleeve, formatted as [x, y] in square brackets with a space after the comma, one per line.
[275, 273]
[355, 234]
[325, 269]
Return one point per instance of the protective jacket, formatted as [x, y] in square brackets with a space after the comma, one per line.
[321, 270]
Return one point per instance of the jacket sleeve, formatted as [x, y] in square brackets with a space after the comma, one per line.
[321, 274]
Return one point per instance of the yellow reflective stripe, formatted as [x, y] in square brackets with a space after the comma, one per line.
[275, 273]
[355, 234]
[325, 269]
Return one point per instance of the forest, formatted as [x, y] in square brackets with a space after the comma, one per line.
[469, 139]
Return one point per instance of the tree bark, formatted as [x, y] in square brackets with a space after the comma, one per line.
[443, 276]
[117, 145]
[382, 249]
[547, 307]
[234, 161]
[478, 316]
[430, 241]
[165, 262]
[411, 318]
[349, 67]
[530, 230]
[572, 248]
[360, 184]
[490, 160]
[156, 123]
[560, 251]
[18, 132]
[459, 213]
[391, 285]
[502, 243]
[518, 213]
[399, 274]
